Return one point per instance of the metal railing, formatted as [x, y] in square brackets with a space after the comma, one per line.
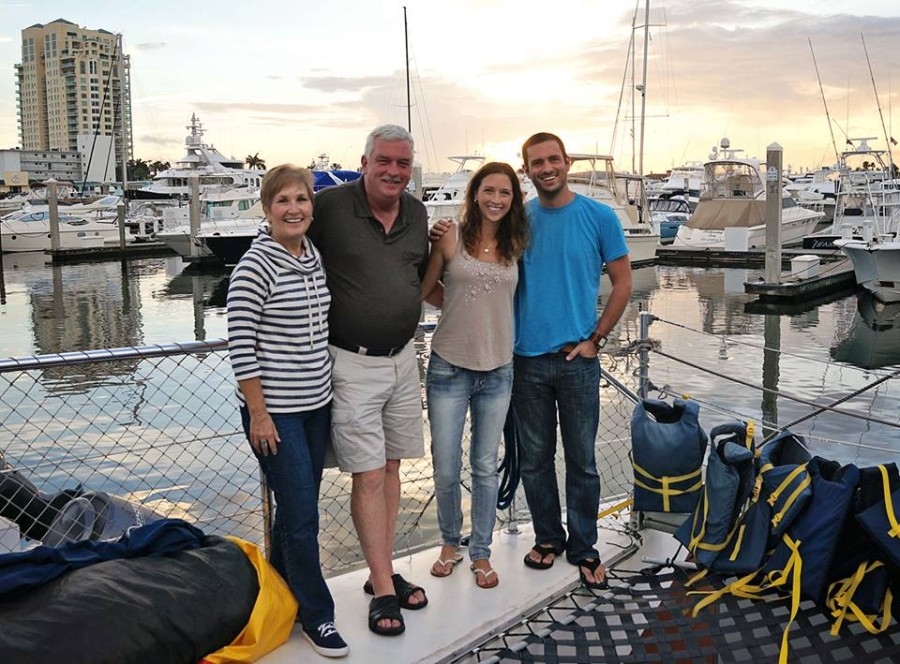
[158, 428]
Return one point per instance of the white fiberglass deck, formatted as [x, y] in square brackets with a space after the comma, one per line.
[459, 614]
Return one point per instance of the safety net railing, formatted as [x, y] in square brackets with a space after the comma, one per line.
[94, 442]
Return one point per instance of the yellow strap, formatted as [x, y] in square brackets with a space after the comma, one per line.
[668, 490]
[840, 600]
[888, 503]
[699, 575]
[618, 507]
[717, 594]
[671, 478]
[757, 486]
[840, 597]
[791, 500]
[737, 544]
[718, 547]
[696, 539]
[751, 430]
[796, 562]
[785, 483]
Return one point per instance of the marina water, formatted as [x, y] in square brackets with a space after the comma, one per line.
[827, 350]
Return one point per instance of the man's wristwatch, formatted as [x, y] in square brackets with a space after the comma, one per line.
[599, 340]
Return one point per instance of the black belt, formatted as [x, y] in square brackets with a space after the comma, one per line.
[362, 350]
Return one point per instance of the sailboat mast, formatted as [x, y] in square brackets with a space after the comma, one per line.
[122, 110]
[878, 103]
[633, 114]
[644, 84]
[837, 157]
[408, 103]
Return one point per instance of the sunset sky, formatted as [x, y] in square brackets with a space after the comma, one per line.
[290, 80]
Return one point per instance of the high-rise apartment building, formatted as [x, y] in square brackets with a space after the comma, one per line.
[73, 84]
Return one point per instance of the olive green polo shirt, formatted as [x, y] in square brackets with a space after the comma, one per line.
[374, 278]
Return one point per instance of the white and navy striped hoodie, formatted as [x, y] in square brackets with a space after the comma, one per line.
[278, 325]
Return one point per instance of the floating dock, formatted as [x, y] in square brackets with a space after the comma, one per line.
[151, 248]
[832, 277]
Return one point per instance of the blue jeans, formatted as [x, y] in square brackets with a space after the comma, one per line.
[543, 386]
[294, 475]
[451, 392]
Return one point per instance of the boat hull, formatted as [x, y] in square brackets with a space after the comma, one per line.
[792, 232]
[876, 265]
[35, 236]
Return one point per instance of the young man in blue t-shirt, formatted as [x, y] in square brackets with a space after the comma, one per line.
[556, 371]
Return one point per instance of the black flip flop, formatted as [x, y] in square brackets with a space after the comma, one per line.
[385, 607]
[404, 590]
[544, 550]
[592, 565]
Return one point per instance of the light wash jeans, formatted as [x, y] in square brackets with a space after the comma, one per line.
[451, 392]
[544, 386]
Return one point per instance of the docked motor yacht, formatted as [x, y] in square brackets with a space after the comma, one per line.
[734, 197]
[81, 226]
[866, 223]
[202, 160]
[228, 239]
[219, 210]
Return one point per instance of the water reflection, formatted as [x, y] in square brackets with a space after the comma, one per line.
[873, 340]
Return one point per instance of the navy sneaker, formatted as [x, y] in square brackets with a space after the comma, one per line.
[326, 641]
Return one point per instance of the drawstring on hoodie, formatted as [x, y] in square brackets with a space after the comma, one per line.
[305, 267]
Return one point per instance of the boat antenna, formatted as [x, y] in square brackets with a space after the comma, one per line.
[878, 103]
[406, 46]
[824, 103]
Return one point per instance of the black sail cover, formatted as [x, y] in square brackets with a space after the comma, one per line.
[173, 609]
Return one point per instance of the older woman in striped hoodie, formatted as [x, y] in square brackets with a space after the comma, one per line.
[278, 344]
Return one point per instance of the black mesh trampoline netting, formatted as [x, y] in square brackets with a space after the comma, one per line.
[647, 619]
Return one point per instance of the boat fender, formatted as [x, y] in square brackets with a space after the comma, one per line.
[96, 515]
[22, 503]
[668, 446]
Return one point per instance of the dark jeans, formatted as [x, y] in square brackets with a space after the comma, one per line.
[294, 475]
[542, 386]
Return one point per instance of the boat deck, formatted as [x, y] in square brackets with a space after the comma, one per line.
[459, 615]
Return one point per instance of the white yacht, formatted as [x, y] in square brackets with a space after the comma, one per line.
[685, 181]
[215, 170]
[81, 226]
[734, 197]
[866, 224]
[625, 194]
[453, 188]
[219, 210]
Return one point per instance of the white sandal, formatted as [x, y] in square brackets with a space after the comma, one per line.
[486, 574]
[452, 562]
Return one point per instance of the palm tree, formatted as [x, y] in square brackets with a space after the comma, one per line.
[138, 169]
[157, 166]
[255, 161]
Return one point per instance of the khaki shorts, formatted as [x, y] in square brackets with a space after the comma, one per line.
[376, 413]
